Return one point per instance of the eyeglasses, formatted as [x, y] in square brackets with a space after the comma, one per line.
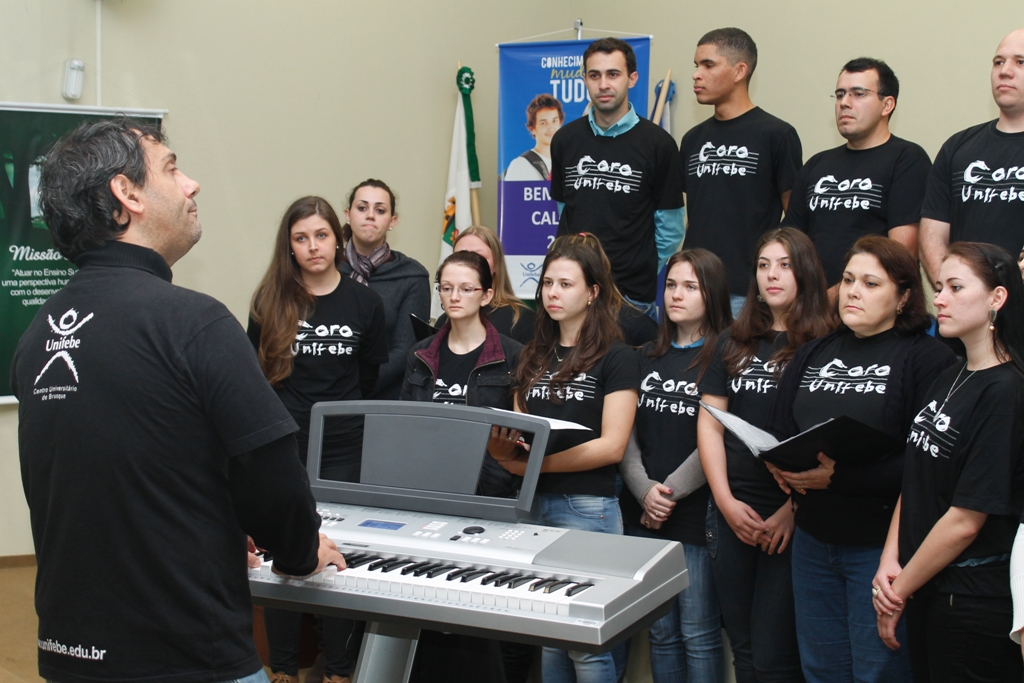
[857, 93]
[464, 290]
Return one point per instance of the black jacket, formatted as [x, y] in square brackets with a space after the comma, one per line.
[489, 386]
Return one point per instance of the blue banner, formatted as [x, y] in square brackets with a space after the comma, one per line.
[541, 87]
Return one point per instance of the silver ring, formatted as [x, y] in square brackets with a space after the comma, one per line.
[875, 591]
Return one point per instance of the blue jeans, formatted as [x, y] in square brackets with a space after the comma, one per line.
[736, 301]
[836, 624]
[587, 513]
[755, 592]
[648, 308]
[686, 643]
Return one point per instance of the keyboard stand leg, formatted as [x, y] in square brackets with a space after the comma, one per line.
[387, 653]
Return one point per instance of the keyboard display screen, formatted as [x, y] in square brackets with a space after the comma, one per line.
[380, 524]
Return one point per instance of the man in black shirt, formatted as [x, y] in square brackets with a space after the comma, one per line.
[976, 187]
[616, 175]
[872, 185]
[150, 442]
[740, 164]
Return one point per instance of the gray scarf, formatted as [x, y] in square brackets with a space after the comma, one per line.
[363, 266]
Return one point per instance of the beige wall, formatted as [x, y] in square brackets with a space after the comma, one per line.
[270, 100]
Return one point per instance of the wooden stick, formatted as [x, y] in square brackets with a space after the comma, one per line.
[474, 197]
[659, 108]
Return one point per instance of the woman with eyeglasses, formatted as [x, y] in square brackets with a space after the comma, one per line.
[466, 363]
[951, 536]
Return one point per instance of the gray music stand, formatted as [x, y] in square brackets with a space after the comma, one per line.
[425, 457]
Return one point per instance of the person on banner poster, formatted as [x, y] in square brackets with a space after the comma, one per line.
[544, 116]
[618, 176]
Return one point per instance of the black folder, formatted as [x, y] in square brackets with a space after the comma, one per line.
[844, 439]
[421, 328]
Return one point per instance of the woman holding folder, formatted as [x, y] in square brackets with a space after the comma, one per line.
[963, 487]
[750, 520]
[876, 368]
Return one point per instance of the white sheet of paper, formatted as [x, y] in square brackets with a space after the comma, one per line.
[552, 422]
[757, 440]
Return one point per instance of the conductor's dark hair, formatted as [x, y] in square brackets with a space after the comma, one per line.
[888, 84]
[78, 205]
[735, 44]
[996, 268]
[609, 45]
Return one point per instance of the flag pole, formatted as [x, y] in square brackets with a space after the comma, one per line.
[662, 96]
[474, 193]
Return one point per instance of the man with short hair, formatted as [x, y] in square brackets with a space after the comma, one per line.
[617, 175]
[740, 164]
[872, 185]
[150, 441]
[976, 187]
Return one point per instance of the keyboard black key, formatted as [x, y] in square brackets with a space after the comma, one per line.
[578, 588]
[392, 566]
[493, 578]
[558, 585]
[507, 579]
[434, 573]
[461, 572]
[352, 557]
[516, 583]
[379, 563]
[466, 578]
[427, 568]
[366, 559]
[413, 567]
[541, 584]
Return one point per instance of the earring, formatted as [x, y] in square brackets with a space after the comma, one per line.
[760, 298]
[292, 253]
[992, 319]
[899, 309]
[590, 301]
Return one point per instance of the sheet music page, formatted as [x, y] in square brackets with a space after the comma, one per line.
[757, 440]
[553, 422]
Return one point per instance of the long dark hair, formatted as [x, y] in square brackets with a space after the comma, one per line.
[902, 269]
[600, 326]
[346, 230]
[282, 297]
[996, 268]
[807, 318]
[714, 290]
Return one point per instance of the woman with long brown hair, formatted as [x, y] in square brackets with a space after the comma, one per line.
[666, 493]
[750, 520]
[577, 369]
[320, 337]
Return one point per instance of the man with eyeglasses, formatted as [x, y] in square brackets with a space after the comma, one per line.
[740, 164]
[872, 185]
[976, 187]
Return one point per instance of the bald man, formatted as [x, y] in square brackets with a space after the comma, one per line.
[976, 186]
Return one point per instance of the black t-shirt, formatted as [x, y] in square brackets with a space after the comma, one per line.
[134, 395]
[453, 374]
[750, 396]
[582, 401]
[735, 173]
[847, 376]
[967, 454]
[666, 430]
[843, 194]
[977, 186]
[345, 330]
[611, 186]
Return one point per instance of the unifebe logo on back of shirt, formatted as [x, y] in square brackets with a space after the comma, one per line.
[60, 370]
